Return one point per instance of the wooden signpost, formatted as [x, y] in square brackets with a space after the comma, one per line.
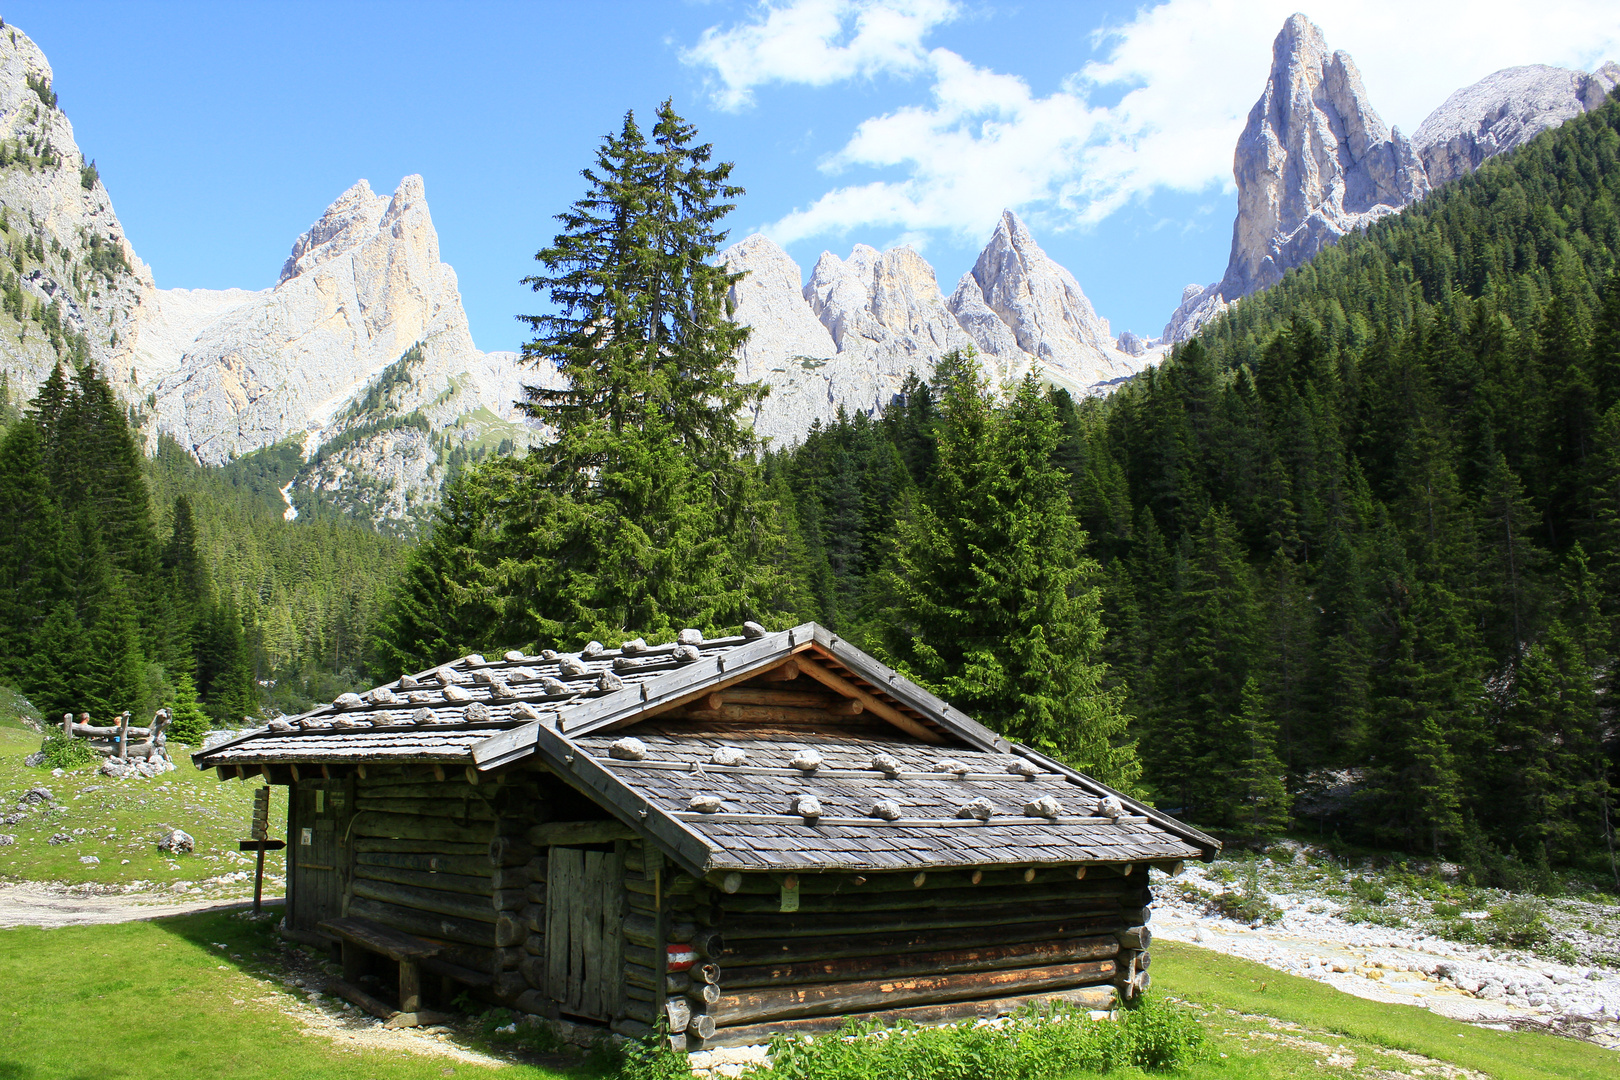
[260, 843]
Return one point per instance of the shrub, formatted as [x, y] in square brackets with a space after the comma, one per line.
[1368, 891]
[1519, 921]
[1033, 1044]
[1446, 911]
[62, 752]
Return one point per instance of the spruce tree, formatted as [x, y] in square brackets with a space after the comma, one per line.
[647, 512]
[30, 544]
[992, 600]
[1254, 772]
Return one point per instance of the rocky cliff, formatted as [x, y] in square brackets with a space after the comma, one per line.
[1504, 110]
[72, 283]
[1315, 161]
[849, 337]
[360, 352]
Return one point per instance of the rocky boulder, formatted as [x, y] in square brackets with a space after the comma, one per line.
[177, 842]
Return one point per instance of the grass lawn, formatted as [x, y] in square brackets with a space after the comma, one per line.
[1227, 983]
[120, 821]
[163, 999]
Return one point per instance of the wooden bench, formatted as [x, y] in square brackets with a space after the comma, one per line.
[411, 953]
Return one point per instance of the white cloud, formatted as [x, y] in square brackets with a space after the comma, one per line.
[817, 43]
[983, 141]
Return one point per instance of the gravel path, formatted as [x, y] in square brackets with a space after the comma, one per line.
[31, 903]
[1482, 985]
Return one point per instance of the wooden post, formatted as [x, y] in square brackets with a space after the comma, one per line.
[410, 986]
[123, 735]
[67, 724]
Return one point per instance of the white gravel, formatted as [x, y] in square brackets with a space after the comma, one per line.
[1477, 984]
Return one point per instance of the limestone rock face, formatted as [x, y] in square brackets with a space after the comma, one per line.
[59, 225]
[1041, 304]
[861, 325]
[361, 353]
[1505, 110]
[1314, 162]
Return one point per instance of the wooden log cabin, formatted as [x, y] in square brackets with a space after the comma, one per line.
[763, 833]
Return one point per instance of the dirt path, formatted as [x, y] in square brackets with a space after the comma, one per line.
[31, 903]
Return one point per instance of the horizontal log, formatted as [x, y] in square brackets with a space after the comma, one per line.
[676, 885]
[643, 930]
[509, 929]
[734, 955]
[460, 810]
[405, 827]
[702, 1025]
[638, 1010]
[459, 905]
[358, 997]
[374, 788]
[533, 970]
[702, 995]
[554, 833]
[534, 917]
[535, 944]
[508, 899]
[466, 865]
[979, 958]
[456, 883]
[788, 1003]
[398, 846]
[509, 851]
[1136, 937]
[425, 924]
[508, 958]
[536, 868]
[639, 993]
[742, 928]
[820, 700]
[933, 899]
[1091, 997]
[678, 1013]
[509, 877]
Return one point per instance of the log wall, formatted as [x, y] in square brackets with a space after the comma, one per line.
[445, 860]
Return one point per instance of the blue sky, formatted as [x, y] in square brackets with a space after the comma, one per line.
[222, 130]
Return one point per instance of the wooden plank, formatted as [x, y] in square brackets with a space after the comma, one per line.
[564, 864]
[388, 844]
[791, 1002]
[552, 833]
[381, 939]
[1092, 997]
[470, 865]
[612, 956]
[929, 899]
[353, 994]
[459, 905]
[457, 883]
[976, 958]
[848, 943]
[427, 924]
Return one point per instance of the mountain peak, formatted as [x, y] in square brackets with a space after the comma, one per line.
[352, 216]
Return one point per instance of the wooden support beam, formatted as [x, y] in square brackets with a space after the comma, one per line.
[438, 772]
[872, 704]
[786, 671]
[361, 770]
[473, 777]
[326, 772]
[295, 776]
[241, 773]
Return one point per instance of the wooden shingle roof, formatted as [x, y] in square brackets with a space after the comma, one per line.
[569, 710]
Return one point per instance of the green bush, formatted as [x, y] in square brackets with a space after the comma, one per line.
[1519, 921]
[1033, 1044]
[62, 752]
[1369, 891]
[1447, 911]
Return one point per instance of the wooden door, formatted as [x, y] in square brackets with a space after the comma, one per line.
[317, 849]
[584, 931]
